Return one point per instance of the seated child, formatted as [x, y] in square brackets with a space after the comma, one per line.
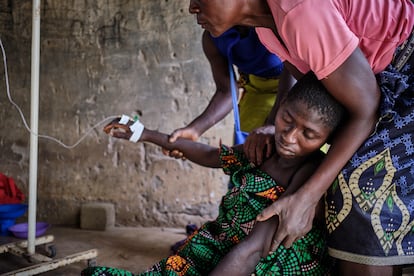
[305, 120]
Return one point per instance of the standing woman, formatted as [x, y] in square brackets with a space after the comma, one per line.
[362, 53]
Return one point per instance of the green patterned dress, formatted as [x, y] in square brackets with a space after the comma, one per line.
[253, 191]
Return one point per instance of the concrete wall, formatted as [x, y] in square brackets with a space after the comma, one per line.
[103, 58]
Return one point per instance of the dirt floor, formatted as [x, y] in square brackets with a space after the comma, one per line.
[133, 249]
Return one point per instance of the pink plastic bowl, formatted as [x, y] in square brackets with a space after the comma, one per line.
[20, 230]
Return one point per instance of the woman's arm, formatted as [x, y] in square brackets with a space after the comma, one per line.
[220, 104]
[354, 85]
[287, 80]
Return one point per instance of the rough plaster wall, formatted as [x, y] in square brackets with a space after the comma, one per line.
[102, 58]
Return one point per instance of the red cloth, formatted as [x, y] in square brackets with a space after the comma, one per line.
[9, 192]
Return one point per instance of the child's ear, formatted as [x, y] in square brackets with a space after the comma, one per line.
[333, 134]
[329, 140]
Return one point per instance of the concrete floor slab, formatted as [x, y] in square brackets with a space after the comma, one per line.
[129, 248]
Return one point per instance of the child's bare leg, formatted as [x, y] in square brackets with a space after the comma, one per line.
[354, 269]
[243, 258]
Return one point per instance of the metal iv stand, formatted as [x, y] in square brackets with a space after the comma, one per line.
[26, 249]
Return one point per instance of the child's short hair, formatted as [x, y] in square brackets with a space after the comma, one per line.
[311, 91]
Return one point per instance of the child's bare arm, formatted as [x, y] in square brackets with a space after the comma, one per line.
[196, 152]
[243, 258]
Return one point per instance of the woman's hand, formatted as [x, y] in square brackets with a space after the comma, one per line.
[295, 218]
[260, 144]
[187, 133]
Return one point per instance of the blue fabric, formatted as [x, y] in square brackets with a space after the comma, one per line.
[240, 137]
[248, 53]
[370, 207]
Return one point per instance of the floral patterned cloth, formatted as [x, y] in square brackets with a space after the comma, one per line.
[253, 191]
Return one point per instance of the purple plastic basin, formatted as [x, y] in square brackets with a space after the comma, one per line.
[12, 211]
[20, 230]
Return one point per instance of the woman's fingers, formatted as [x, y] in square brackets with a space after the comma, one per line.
[174, 135]
[276, 242]
[268, 212]
[259, 144]
[269, 149]
[295, 220]
[283, 238]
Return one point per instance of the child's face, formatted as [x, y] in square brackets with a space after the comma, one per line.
[299, 130]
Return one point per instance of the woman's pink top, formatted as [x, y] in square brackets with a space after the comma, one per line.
[321, 34]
